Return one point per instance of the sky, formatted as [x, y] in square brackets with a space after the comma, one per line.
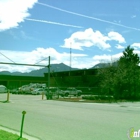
[94, 31]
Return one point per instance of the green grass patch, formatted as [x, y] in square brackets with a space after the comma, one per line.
[4, 135]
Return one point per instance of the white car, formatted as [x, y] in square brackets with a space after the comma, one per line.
[38, 91]
[3, 89]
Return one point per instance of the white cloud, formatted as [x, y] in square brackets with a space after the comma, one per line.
[34, 57]
[116, 36]
[89, 38]
[106, 58]
[86, 38]
[118, 46]
[12, 12]
[102, 58]
[136, 45]
[109, 58]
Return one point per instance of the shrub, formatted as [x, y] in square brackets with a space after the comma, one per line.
[98, 97]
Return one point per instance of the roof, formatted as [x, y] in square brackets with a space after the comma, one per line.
[2, 86]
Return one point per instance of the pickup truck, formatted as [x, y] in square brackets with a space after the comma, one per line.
[54, 92]
[71, 91]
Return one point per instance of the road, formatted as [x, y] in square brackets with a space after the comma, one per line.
[59, 120]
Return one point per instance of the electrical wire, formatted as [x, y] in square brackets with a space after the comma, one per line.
[7, 57]
[40, 61]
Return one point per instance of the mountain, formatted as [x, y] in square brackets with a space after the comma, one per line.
[5, 73]
[40, 72]
[53, 68]
[104, 65]
[101, 65]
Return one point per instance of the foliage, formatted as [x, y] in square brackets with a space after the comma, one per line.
[122, 81]
[97, 97]
[129, 57]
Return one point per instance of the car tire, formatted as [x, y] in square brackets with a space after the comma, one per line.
[78, 94]
[66, 94]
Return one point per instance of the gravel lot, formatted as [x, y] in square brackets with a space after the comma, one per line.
[59, 120]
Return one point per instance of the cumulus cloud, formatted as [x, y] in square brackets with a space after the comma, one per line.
[136, 45]
[38, 56]
[106, 58]
[13, 12]
[102, 58]
[89, 38]
[118, 46]
[116, 36]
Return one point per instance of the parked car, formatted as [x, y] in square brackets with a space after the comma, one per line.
[27, 89]
[14, 91]
[38, 91]
[71, 91]
[3, 89]
[53, 92]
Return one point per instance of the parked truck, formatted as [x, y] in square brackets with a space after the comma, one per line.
[71, 91]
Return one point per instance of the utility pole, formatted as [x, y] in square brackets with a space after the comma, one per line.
[49, 77]
[70, 58]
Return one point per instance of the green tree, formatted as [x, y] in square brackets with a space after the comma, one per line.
[129, 57]
[122, 80]
[106, 76]
[128, 71]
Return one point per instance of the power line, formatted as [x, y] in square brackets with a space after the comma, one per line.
[23, 64]
[7, 57]
[40, 61]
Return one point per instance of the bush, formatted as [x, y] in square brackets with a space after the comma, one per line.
[98, 97]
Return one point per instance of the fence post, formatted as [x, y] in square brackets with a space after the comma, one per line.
[8, 93]
[42, 95]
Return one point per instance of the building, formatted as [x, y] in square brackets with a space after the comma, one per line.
[11, 81]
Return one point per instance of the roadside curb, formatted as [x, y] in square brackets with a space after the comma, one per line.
[29, 137]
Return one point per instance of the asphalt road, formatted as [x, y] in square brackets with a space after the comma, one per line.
[59, 120]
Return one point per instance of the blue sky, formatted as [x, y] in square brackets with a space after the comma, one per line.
[96, 31]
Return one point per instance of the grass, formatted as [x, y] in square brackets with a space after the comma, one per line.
[4, 135]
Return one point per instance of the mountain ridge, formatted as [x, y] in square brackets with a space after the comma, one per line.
[54, 68]
[40, 72]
